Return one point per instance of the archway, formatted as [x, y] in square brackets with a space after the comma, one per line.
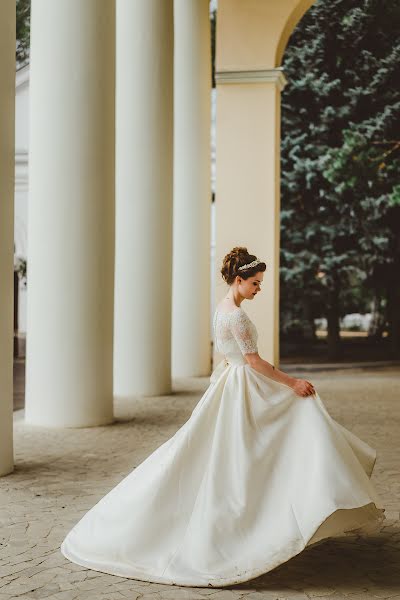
[251, 38]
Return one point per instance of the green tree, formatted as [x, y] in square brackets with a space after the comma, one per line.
[340, 159]
[23, 18]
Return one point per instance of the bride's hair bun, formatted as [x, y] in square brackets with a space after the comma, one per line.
[236, 258]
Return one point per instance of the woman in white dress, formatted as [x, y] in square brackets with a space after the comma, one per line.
[258, 472]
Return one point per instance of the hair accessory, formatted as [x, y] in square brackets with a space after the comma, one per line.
[252, 264]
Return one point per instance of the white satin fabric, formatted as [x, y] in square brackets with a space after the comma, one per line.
[255, 475]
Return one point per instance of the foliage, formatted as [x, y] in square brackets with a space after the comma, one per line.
[23, 31]
[20, 267]
[340, 218]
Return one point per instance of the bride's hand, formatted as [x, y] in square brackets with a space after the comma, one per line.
[302, 387]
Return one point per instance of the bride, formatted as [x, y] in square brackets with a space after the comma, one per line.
[258, 472]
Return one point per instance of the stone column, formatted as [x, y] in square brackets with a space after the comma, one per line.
[191, 341]
[7, 104]
[144, 179]
[248, 189]
[69, 378]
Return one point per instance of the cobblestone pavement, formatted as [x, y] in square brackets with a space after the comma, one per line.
[61, 473]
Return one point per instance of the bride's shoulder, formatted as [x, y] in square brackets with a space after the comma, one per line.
[230, 311]
[226, 306]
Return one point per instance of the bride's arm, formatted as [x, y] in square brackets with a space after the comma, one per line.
[243, 334]
[300, 386]
[264, 367]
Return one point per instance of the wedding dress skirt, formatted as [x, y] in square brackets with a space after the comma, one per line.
[256, 474]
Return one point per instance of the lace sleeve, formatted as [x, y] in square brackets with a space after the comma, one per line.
[244, 332]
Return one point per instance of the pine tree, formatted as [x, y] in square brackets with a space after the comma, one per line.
[23, 16]
[340, 218]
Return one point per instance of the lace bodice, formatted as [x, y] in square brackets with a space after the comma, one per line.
[234, 332]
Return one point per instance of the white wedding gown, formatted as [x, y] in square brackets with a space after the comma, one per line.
[256, 474]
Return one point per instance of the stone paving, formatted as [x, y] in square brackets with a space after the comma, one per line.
[61, 473]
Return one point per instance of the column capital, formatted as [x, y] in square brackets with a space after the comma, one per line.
[253, 76]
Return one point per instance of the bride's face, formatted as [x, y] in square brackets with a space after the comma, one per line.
[248, 288]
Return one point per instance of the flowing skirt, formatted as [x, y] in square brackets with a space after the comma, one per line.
[256, 474]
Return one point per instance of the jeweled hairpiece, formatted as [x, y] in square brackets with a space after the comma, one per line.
[252, 264]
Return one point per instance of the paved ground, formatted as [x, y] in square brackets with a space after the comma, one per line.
[60, 474]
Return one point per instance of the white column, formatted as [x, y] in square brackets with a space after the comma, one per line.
[248, 186]
[144, 177]
[71, 213]
[7, 103]
[191, 347]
